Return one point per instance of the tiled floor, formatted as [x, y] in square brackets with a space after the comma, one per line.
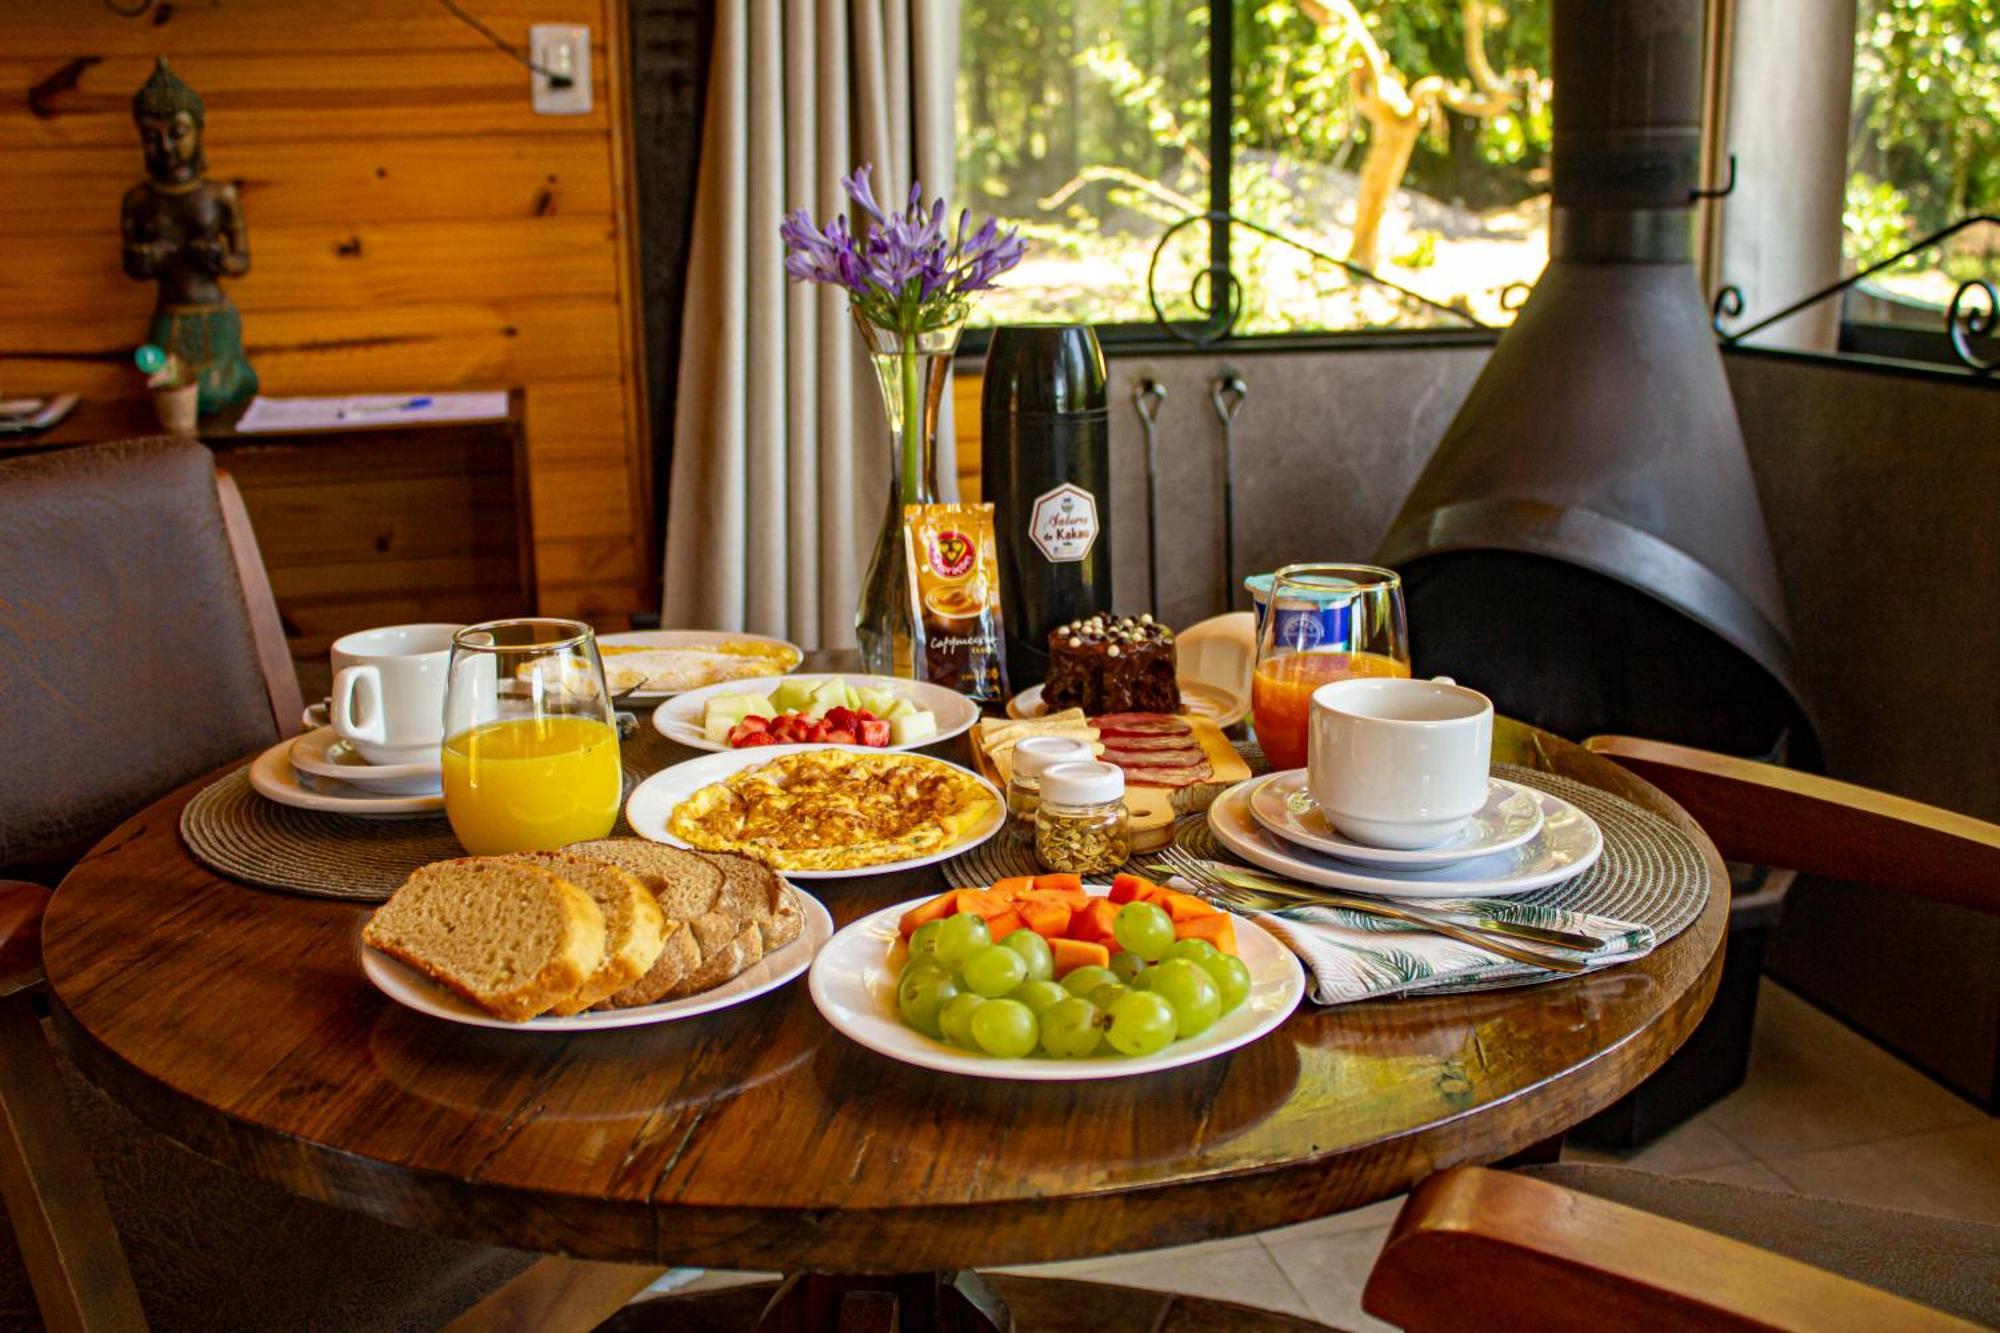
[1824, 1112]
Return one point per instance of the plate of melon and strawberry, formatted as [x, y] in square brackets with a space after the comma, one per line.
[1051, 979]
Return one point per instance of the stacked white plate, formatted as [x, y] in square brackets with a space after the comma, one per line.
[1522, 839]
[319, 771]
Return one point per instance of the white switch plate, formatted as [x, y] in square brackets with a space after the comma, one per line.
[562, 49]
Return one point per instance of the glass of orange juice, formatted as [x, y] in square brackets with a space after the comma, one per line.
[530, 737]
[1321, 623]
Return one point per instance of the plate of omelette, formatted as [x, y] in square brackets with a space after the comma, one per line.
[820, 811]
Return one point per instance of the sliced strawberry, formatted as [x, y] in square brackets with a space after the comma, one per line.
[838, 736]
[754, 722]
[840, 718]
[754, 739]
[874, 731]
[863, 715]
[813, 730]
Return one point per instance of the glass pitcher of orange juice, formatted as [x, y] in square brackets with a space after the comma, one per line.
[530, 738]
[1321, 623]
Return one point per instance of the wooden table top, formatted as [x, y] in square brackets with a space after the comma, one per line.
[238, 1021]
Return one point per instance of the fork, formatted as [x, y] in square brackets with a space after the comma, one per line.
[1251, 900]
[1185, 862]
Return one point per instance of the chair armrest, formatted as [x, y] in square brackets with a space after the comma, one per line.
[21, 908]
[274, 656]
[1475, 1248]
[1778, 817]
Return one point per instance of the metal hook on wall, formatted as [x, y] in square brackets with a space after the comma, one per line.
[1227, 392]
[1148, 396]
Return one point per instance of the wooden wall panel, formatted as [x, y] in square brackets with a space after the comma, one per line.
[413, 226]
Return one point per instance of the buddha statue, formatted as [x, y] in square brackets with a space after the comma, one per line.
[186, 233]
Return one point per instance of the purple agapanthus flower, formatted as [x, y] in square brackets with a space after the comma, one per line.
[906, 270]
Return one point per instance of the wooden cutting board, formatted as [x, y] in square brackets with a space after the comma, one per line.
[1151, 809]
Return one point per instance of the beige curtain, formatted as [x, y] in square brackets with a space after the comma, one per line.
[781, 456]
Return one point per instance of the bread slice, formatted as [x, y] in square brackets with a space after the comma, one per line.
[685, 883]
[754, 892]
[635, 928]
[511, 936]
[728, 946]
[679, 955]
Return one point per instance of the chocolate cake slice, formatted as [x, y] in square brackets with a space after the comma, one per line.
[1122, 664]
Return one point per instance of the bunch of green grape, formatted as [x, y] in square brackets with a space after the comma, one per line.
[1001, 998]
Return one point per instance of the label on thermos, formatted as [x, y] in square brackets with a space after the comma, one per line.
[1062, 524]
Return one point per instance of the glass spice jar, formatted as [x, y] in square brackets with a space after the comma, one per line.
[1031, 756]
[1081, 824]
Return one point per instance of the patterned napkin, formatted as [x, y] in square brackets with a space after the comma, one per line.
[1355, 956]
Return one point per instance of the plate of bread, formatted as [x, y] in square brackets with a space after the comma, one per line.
[612, 933]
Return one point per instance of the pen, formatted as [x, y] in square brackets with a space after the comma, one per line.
[378, 409]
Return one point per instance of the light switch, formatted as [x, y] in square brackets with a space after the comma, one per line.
[564, 50]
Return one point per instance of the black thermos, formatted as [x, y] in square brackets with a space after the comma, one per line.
[1045, 464]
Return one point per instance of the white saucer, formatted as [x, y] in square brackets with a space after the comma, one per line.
[1199, 698]
[1511, 816]
[1568, 845]
[273, 777]
[322, 754]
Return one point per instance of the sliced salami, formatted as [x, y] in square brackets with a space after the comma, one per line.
[1167, 775]
[1154, 758]
[1137, 744]
[1139, 724]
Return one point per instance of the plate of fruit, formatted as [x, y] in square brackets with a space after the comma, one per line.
[880, 712]
[1049, 979]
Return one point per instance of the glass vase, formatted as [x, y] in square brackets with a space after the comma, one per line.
[912, 370]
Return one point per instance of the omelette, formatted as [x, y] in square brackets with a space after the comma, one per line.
[629, 666]
[834, 810]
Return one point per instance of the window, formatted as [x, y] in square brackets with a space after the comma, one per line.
[1405, 137]
[1924, 153]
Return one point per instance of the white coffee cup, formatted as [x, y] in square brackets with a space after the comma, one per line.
[388, 692]
[1399, 763]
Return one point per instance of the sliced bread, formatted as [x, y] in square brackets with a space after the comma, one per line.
[754, 892]
[685, 883]
[634, 926]
[728, 946]
[679, 955]
[511, 936]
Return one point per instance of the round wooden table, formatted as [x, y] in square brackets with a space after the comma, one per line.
[237, 1021]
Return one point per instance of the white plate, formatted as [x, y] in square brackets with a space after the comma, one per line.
[653, 802]
[273, 777]
[1511, 816]
[679, 719]
[682, 638]
[408, 987]
[855, 990]
[1568, 844]
[322, 754]
[1199, 698]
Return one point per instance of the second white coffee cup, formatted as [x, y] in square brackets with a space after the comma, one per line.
[388, 691]
[1399, 763]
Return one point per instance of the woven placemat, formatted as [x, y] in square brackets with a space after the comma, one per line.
[1651, 873]
[233, 831]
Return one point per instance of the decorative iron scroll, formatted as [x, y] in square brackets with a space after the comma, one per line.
[1964, 320]
[1217, 295]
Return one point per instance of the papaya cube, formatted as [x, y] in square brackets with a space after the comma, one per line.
[1044, 916]
[1182, 906]
[1065, 889]
[937, 909]
[982, 903]
[1093, 923]
[1216, 928]
[1000, 927]
[1069, 955]
[1013, 886]
[1131, 888]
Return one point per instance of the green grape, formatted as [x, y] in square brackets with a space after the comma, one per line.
[1127, 966]
[959, 937]
[1144, 981]
[1194, 950]
[1084, 980]
[1070, 1030]
[924, 942]
[1034, 951]
[1196, 1000]
[923, 989]
[1005, 1028]
[1231, 978]
[1143, 929]
[955, 1019]
[1038, 994]
[994, 971]
[1103, 996]
[1141, 1024]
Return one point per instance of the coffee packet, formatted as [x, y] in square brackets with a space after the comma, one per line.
[956, 635]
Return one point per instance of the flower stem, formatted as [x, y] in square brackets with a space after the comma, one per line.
[913, 424]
